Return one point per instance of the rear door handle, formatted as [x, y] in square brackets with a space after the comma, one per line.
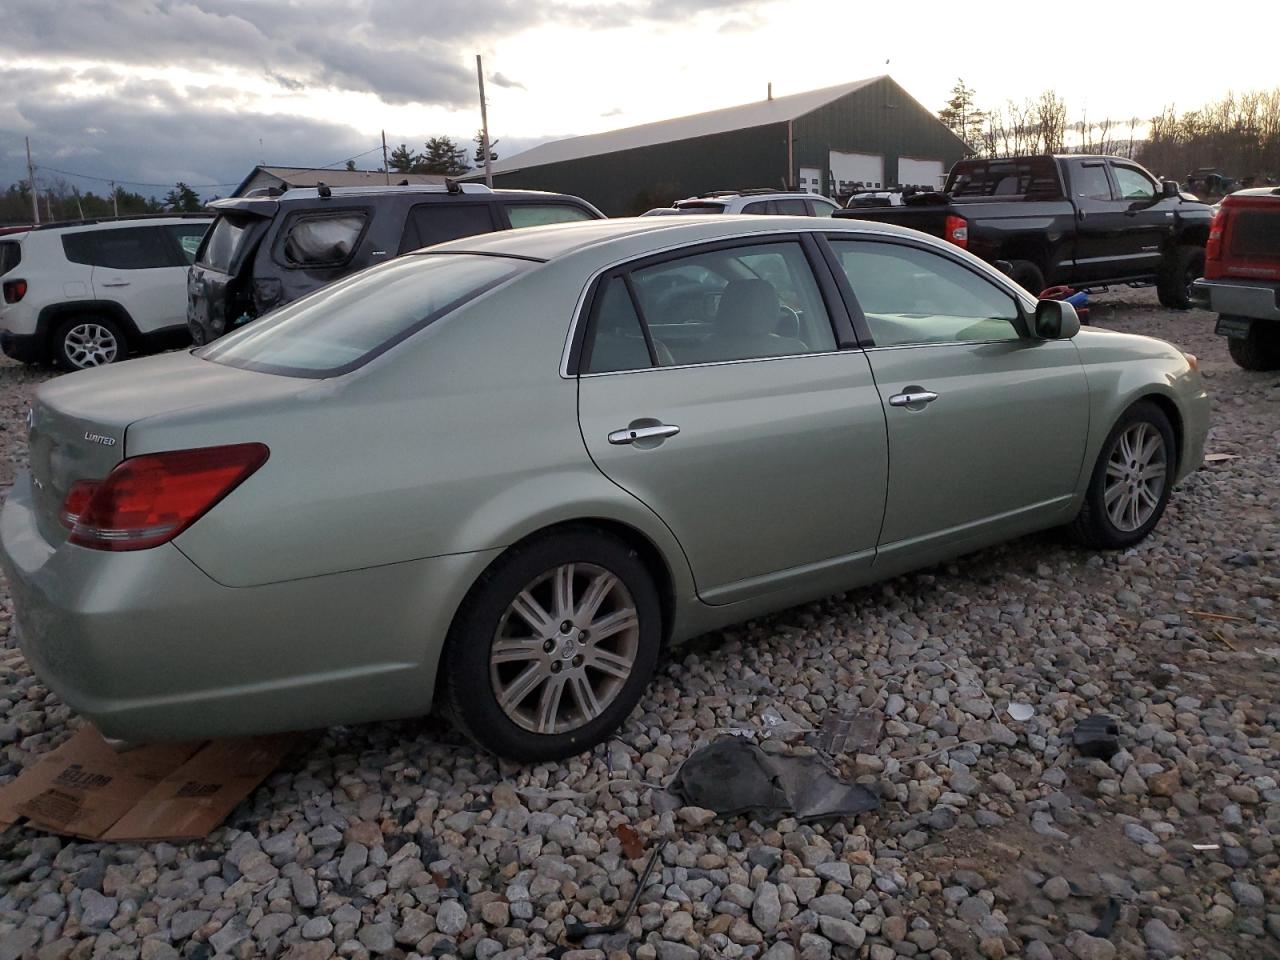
[907, 399]
[632, 434]
[115, 283]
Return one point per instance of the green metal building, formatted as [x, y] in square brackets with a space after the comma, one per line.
[868, 134]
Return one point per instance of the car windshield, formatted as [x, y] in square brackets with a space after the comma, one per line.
[344, 325]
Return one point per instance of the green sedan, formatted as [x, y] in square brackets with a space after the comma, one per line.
[498, 475]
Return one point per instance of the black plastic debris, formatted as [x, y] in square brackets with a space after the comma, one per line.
[732, 776]
[1097, 736]
[1107, 922]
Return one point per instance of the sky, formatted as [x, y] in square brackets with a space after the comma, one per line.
[155, 91]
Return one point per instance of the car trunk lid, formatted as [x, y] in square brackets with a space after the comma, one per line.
[78, 425]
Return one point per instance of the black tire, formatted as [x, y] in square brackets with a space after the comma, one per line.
[71, 339]
[467, 686]
[1260, 350]
[1094, 526]
[1181, 266]
[198, 336]
[1028, 276]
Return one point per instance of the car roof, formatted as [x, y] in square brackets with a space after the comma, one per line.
[553, 241]
[1255, 192]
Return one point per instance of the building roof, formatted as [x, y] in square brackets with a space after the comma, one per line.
[758, 114]
[310, 176]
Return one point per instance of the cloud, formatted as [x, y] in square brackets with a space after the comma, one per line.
[403, 53]
[504, 81]
[615, 112]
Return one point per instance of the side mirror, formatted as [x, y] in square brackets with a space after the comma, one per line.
[1055, 320]
[1170, 188]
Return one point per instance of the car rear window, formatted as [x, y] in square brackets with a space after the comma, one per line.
[1256, 232]
[1034, 178]
[10, 255]
[224, 241]
[344, 325]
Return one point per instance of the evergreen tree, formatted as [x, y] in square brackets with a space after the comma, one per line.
[961, 115]
[404, 160]
[478, 156]
[182, 199]
[443, 156]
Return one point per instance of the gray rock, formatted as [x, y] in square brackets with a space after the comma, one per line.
[843, 932]
[766, 911]
[451, 919]
[1160, 939]
[1246, 894]
[378, 937]
[96, 911]
[317, 928]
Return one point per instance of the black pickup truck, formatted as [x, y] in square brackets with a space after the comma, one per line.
[1087, 221]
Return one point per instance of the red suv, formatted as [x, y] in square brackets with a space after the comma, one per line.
[1241, 280]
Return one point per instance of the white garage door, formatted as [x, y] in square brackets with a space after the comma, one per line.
[851, 170]
[920, 173]
[810, 180]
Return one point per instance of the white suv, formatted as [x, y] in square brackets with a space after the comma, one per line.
[752, 201]
[90, 292]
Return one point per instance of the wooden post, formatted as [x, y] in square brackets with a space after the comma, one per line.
[31, 182]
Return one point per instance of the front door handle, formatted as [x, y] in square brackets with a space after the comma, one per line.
[912, 398]
[633, 434]
[117, 282]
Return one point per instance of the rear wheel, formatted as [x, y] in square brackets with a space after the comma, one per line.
[84, 342]
[1182, 266]
[553, 647]
[1131, 480]
[1258, 351]
[1028, 276]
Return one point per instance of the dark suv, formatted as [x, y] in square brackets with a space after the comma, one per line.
[264, 251]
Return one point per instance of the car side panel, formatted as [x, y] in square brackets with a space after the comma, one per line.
[1122, 369]
[474, 381]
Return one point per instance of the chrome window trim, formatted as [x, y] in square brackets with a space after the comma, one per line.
[717, 363]
[822, 226]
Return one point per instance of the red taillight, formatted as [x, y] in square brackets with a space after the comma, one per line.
[956, 230]
[148, 500]
[1213, 248]
[14, 290]
[78, 498]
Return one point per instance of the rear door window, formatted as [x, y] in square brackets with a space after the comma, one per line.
[123, 248]
[188, 236]
[538, 214]
[432, 223]
[323, 240]
[757, 207]
[1089, 182]
[791, 208]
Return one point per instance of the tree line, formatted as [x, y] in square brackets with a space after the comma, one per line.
[1239, 134]
[61, 201]
[440, 155]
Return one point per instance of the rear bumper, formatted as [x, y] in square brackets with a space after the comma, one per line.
[150, 648]
[1255, 299]
[23, 347]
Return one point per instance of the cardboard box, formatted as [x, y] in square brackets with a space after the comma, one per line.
[163, 791]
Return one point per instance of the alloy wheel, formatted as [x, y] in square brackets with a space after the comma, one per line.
[90, 345]
[564, 648]
[1136, 474]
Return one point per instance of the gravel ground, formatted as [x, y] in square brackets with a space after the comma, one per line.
[994, 838]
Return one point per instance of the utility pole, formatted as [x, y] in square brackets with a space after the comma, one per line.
[79, 205]
[386, 170]
[48, 204]
[484, 127]
[31, 182]
[115, 199]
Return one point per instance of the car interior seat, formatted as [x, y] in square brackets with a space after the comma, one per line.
[746, 321]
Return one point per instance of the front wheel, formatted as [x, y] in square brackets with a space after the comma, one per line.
[1131, 480]
[86, 342]
[553, 647]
